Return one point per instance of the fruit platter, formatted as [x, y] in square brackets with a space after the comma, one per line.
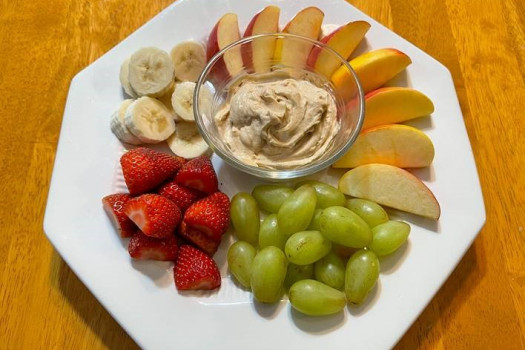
[187, 251]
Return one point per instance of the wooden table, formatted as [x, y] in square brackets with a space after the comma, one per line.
[43, 44]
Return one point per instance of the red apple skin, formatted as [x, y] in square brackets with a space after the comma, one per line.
[249, 28]
[373, 68]
[212, 48]
[389, 105]
[317, 50]
[213, 45]
[343, 40]
[307, 23]
[247, 50]
[286, 29]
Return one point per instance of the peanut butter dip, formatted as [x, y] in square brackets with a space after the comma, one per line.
[279, 124]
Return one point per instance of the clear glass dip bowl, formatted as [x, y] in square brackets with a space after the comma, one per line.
[218, 78]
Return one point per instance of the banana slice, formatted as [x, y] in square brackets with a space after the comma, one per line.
[118, 126]
[124, 81]
[166, 100]
[149, 120]
[186, 142]
[150, 72]
[189, 59]
[182, 100]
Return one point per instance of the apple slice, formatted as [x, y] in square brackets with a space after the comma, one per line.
[399, 145]
[391, 105]
[307, 23]
[391, 186]
[373, 69]
[225, 32]
[343, 40]
[259, 54]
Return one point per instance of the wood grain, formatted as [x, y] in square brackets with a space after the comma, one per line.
[45, 43]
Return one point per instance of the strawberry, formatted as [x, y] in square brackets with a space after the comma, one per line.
[210, 215]
[142, 247]
[198, 174]
[199, 239]
[144, 169]
[155, 215]
[114, 206]
[221, 199]
[180, 195]
[195, 270]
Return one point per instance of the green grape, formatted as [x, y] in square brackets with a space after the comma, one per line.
[240, 259]
[298, 272]
[314, 298]
[268, 273]
[244, 213]
[314, 224]
[343, 226]
[270, 197]
[362, 272]
[297, 210]
[306, 247]
[330, 270]
[327, 195]
[371, 212]
[388, 237]
[269, 234]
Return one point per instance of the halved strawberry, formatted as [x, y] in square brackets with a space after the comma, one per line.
[144, 168]
[210, 215]
[198, 173]
[142, 247]
[202, 241]
[195, 270]
[114, 206]
[155, 215]
[180, 195]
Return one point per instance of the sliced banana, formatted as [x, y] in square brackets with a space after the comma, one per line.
[166, 100]
[189, 59]
[118, 126]
[187, 142]
[150, 72]
[124, 81]
[182, 100]
[149, 120]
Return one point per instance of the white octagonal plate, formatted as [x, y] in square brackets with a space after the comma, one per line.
[141, 295]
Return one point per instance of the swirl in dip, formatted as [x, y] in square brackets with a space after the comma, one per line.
[278, 124]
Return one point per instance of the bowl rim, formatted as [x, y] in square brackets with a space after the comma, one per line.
[278, 174]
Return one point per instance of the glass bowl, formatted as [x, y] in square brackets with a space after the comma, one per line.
[274, 57]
